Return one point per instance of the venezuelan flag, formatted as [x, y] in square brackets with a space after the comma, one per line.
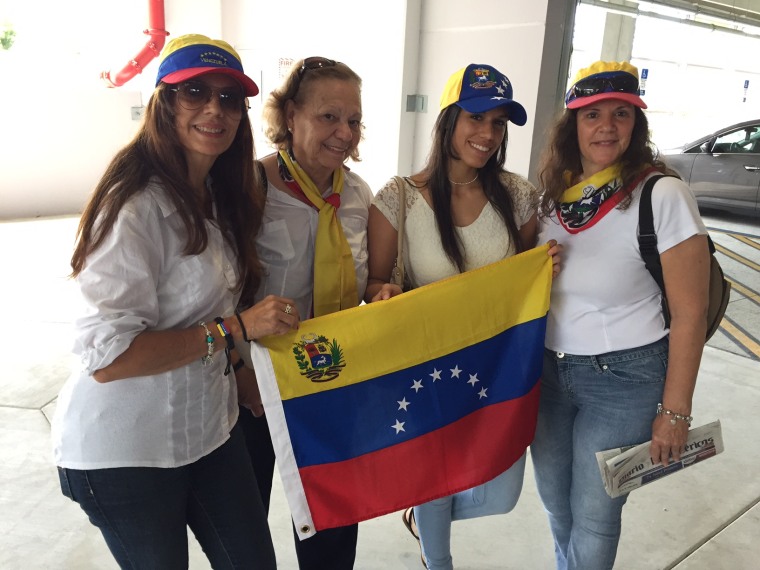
[395, 403]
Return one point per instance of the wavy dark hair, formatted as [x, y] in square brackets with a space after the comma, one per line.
[297, 83]
[436, 178]
[562, 154]
[156, 151]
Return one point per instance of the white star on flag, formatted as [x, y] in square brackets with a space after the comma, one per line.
[436, 374]
[500, 89]
[455, 371]
[403, 404]
[417, 386]
[398, 426]
[473, 379]
[482, 393]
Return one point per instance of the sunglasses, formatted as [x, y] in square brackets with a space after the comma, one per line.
[620, 83]
[316, 63]
[192, 95]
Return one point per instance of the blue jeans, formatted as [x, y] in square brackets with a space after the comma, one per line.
[434, 518]
[143, 512]
[589, 404]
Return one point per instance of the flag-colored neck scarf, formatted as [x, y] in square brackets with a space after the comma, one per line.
[334, 274]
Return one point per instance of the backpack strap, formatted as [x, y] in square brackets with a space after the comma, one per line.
[648, 241]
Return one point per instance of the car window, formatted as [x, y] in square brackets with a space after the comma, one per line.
[739, 141]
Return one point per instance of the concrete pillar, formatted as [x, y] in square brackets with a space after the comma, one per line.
[617, 42]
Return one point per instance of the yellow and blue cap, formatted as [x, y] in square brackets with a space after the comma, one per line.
[193, 55]
[478, 88]
[605, 80]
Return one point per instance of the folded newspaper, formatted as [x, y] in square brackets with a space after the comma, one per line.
[627, 468]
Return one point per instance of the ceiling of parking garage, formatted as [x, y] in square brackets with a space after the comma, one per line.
[736, 12]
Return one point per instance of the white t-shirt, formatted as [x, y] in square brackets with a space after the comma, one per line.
[485, 240]
[604, 299]
[139, 279]
[288, 234]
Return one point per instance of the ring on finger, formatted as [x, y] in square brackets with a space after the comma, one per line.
[288, 308]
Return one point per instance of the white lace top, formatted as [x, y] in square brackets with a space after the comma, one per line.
[485, 241]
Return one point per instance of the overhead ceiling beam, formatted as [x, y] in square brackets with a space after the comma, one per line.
[724, 21]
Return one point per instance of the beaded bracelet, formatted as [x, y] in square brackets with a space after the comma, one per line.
[242, 326]
[673, 416]
[228, 339]
[209, 345]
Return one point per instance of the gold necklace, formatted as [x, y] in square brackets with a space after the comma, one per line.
[477, 173]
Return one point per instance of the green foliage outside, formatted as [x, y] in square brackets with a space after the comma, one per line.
[7, 38]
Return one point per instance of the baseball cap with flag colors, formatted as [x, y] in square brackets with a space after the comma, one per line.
[478, 88]
[605, 80]
[191, 55]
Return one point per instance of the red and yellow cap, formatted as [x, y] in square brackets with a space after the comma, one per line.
[193, 55]
[605, 80]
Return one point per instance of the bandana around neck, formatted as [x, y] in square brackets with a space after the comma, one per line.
[584, 204]
[334, 273]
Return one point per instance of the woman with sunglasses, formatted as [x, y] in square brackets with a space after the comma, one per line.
[145, 432]
[613, 374]
[313, 240]
[463, 211]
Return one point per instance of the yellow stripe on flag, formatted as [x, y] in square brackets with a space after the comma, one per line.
[418, 326]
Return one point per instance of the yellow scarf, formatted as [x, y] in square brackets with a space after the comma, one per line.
[589, 185]
[334, 274]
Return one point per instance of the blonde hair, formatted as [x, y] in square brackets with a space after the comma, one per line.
[294, 86]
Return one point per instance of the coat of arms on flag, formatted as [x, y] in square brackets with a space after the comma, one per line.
[444, 378]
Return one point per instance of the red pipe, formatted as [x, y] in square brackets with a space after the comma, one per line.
[150, 51]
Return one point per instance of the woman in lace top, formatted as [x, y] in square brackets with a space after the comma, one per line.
[463, 211]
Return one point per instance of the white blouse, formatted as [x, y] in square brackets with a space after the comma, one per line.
[287, 237]
[485, 240]
[139, 279]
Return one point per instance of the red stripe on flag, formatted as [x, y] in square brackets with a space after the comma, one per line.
[454, 458]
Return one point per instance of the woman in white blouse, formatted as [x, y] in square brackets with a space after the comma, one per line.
[145, 432]
[313, 242]
[463, 211]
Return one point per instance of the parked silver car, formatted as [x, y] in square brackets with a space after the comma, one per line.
[723, 168]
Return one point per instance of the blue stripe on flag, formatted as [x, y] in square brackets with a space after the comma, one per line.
[336, 425]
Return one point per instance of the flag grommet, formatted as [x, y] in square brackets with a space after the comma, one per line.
[305, 529]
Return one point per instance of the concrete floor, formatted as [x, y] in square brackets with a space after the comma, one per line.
[706, 517]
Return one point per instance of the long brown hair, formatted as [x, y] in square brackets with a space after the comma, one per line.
[562, 154]
[157, 151]
[435, 174]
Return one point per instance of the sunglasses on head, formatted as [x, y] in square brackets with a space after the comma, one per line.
[619, 82]
[316, 63]
[192, 95]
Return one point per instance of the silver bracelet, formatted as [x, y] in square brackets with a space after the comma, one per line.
[673, 416]
[209, 345]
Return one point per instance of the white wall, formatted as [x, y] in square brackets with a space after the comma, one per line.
[368, 37]
[61, 125]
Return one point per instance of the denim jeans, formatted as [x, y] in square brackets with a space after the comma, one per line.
[589, 404]
[434, 518]
[143, 512]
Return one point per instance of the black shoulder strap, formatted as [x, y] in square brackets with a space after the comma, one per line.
[647, 236]
[648, 242]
